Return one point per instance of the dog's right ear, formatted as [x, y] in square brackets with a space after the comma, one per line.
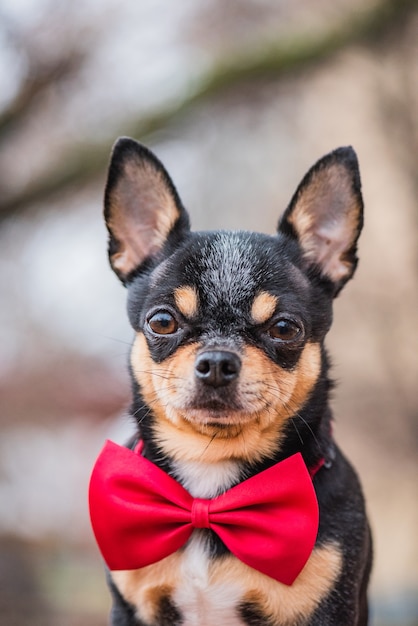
[143, 211]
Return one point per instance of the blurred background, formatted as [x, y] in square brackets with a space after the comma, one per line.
[238, 99]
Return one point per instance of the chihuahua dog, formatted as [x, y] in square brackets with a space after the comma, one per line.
[231, 400]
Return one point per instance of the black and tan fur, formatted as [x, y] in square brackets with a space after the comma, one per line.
[230, 375]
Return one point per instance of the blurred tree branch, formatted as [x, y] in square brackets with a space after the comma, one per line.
[38, 79]
[272, 61]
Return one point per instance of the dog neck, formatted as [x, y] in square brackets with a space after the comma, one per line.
[209, 480]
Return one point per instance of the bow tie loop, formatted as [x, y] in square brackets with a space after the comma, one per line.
[141, 515]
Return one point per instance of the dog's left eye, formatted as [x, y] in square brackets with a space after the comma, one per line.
[163, 323]
[285, 330]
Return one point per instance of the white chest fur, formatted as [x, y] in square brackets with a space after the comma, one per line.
[203, 600]
[207, 480]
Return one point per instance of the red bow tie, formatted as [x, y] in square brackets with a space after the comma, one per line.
[141, 515]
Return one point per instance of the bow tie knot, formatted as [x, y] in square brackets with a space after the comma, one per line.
[200, 513]
[141, 515]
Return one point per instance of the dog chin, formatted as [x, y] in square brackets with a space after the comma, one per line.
[214, 418]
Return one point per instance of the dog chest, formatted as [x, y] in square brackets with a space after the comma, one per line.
[189, 582]
[204, 599]
[208, 592]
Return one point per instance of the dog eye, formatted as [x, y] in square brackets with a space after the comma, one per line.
[285, 330]
[163, 323]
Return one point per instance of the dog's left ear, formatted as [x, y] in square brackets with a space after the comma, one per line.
[325, 216]
[143, 211]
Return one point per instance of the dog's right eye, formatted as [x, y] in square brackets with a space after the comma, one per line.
[163, 323]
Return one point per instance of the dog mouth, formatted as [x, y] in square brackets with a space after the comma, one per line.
[219, 408]
[216, 414]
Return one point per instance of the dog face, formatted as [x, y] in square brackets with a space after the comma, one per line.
[229, 325]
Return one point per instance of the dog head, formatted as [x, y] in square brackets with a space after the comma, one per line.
[229, 325]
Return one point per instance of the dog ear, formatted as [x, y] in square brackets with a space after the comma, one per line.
[143, 211]
[325, 216]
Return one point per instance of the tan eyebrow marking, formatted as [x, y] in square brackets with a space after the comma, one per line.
[263, 307]
[187, 300]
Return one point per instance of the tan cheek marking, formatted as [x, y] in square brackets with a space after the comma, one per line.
[143, 368]
[187, 300]
[280, 393]
[283, 604]
[263, 307]
[144, 588]
[165, 386]
[307, 373]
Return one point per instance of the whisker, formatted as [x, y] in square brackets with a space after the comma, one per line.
[165, 375]
[297, 431]
[209, 443]
[308, 427]
[126, 343]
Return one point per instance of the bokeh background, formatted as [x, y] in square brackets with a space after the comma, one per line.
[238, 99]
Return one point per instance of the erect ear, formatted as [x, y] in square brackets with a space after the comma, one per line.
[325, 216]
[143, 211]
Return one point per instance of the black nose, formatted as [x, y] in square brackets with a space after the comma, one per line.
[217, 368]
